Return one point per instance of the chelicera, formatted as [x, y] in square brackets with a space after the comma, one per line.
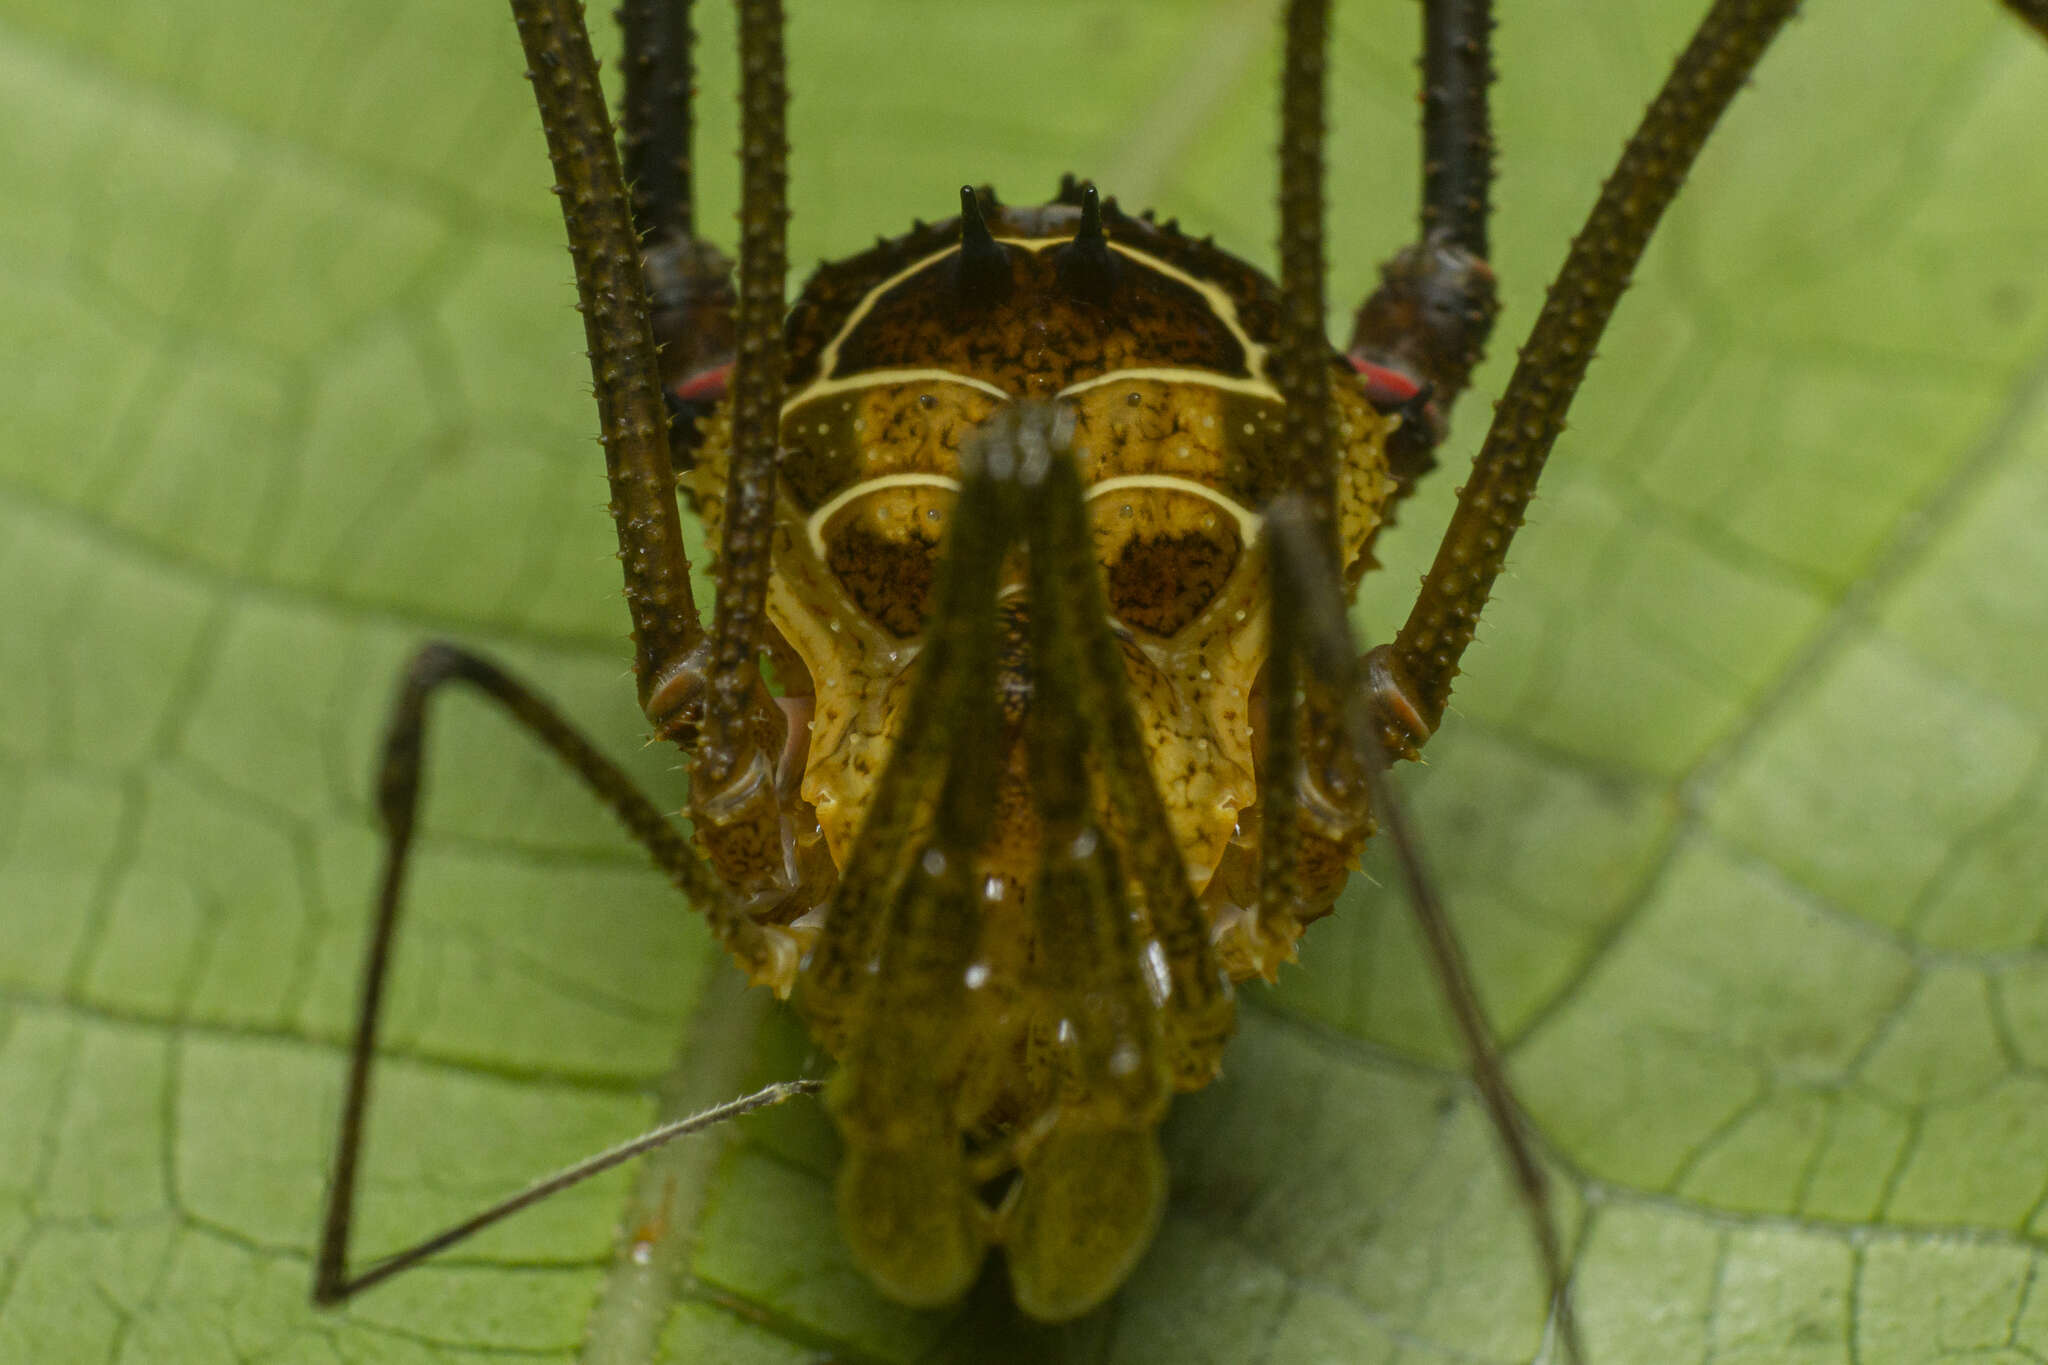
[1044, 518]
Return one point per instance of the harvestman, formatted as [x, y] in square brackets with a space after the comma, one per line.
[1047, 518]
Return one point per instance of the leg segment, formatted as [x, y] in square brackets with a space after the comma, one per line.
[654, 117]
[688, 681]
[1310, 626]
[1528, 418]
[733, 795]
[1430, 317]
[1457, 134]
[689, 281]
[1303, 352]
[743, 563]
[771, 953]
[1311, 633]
[1304, 374]
[632, 413]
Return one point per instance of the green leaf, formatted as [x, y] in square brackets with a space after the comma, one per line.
[1738, 808]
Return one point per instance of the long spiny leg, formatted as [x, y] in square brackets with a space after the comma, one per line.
[1303, 367]
[1306, 783]
[632, 414]
[733, 796]
[1428, 321]
[744, 558]
[655, 124]
[1457, 132]
[686, 678]
[1310, 625]
[1423, 660]
[398, 791]
[667, 632]
[689, 281]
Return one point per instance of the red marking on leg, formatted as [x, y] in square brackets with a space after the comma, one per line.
[705, 386]
[1384, 388]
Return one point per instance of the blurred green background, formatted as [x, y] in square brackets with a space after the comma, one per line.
[1739, 806]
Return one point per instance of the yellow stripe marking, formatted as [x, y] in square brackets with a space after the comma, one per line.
[814, 525]
[1257, 387]
[1256, 382]
[1249, 522]
[828, 359]
[874, 379]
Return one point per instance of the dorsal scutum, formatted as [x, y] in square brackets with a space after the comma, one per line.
[1088, 268]
[982, 273]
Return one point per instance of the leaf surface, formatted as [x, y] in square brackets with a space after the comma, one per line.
[1739, 807]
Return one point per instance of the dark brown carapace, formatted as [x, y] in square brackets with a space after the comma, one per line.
[1153, 351]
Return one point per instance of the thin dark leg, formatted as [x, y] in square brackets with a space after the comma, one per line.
[632, 413]
[1528, 418]
[1303, 353]
[2033, 13]
[398, 791]
[1430, 317]
[1310, 622]
[1304, 376]
[1279, 797]
[654, 116]
[689, 281]
[345, 1287]
[725, 772]
[1457, 134]
[1310, 625]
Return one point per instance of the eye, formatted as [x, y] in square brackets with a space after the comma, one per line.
[1165, 554]
[883, 547]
